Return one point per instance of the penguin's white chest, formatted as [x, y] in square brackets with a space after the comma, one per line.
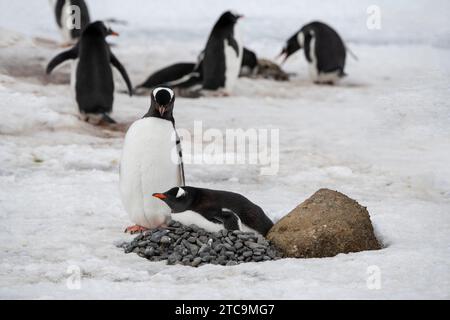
[149, 165]
[233, 62]
[66, 21]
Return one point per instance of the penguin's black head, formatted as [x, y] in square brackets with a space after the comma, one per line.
[100, 29]
[162, 102]
[228, 18]
[292, 46]
[178, 199]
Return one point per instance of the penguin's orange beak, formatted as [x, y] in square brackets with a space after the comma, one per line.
[161, 196]
[113, 33]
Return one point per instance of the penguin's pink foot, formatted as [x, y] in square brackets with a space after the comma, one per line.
[135, 229]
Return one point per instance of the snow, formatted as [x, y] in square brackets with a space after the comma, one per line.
[382, 136]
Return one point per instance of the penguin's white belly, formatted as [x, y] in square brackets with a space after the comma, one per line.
[191, 217]
[233, 63]
[149, 165]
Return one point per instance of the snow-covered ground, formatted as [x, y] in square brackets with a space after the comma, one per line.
[382, 137]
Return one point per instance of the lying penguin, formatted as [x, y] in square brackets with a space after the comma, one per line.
[92, 76]
[214, 210]
[324, 50]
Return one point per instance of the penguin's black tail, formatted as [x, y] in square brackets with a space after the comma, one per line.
[106, 118]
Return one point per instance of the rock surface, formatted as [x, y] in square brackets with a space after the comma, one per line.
[193, 246]
[326, 224]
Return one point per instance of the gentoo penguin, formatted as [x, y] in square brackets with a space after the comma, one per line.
[151, 161]
[66, 19]
[223, 55]
[94, 83]
[220, 209]
[324, 50]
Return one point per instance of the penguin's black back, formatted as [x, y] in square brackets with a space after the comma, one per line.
[84, 15]
[214, 63]
[330, 49]
[171, 73]
[209, 203]
[213, 66]
[94, 78]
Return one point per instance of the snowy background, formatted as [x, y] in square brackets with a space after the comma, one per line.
[382, 137]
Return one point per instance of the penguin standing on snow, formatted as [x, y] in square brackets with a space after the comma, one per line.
[223, 55]
[151, 161]
[93, 77]
[324, 50]
[214, 210]
[65, 15]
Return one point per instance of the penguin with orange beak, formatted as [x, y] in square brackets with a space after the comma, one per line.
[151, 161]
[214, 210]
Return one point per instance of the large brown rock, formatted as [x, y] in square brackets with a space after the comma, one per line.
[324, 225]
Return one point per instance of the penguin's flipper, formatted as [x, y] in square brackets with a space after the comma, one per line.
[116, 63]
[182, 179]
[230, 219]
[233, 43]
[60, 58]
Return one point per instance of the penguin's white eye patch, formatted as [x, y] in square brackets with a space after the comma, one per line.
[170, 91]
[180, 192]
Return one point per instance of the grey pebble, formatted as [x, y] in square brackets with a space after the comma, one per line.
[165, 239]
[196, 262]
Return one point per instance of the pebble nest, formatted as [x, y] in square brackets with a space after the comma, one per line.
[193, 246]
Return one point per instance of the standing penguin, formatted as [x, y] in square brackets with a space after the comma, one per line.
[214, 210]
[223, 55]
[94, 83]
[324, 50]
[149, 162]
[72, 16]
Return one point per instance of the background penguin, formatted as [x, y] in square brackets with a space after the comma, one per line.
[324, 50]
[63, 14]
[221, 209]
[223, 55]
[148, 162]
[94, 83]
